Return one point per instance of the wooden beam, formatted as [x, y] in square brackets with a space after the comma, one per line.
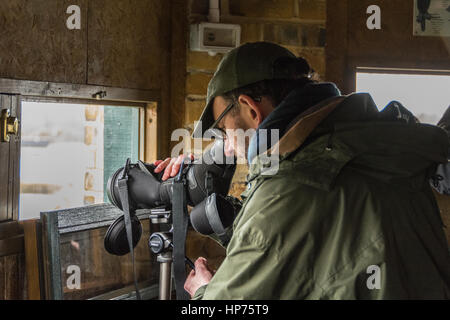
[76, 91]
[151, 133]
[178, 58]
[11, 246]
[336, 47]
[233, 19]
[10, 229]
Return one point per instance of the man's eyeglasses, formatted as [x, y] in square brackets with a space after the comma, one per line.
[219, 131]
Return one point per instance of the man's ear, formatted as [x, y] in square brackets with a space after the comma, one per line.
[255, 112]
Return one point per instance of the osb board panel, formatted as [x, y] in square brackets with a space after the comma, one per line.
[394, 45]
[36, 44]
[127, 41]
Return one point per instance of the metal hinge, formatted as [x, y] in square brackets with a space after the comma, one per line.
[8, 125]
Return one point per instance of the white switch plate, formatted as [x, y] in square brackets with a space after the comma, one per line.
[215, 37]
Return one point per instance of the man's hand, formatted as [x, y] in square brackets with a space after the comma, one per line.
[198, 278]
[171, 166]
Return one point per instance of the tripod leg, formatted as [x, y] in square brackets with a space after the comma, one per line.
[165, 281]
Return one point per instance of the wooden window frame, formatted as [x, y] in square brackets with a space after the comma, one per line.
[26, 235]
[40, 91]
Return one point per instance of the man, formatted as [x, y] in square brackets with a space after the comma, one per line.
[347, 213]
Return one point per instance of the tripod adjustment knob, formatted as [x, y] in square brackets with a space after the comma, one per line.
[159, 242]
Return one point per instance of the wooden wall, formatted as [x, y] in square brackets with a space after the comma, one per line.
[351, 44]
[120, 44]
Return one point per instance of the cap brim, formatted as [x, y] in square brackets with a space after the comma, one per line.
[206, 120]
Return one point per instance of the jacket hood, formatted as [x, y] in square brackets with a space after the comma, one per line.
[388, 145]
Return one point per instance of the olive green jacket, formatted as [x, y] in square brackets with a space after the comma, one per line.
[348, 215]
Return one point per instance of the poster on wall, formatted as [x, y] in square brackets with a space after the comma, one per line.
[432, 18]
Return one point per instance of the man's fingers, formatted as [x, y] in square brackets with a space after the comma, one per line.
[188, 282]
[201, 264]
[199, 277]
[161, 165]
[176, 166]
[171, 166]
[168, 169]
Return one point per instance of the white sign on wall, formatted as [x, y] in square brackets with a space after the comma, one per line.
[432, 18]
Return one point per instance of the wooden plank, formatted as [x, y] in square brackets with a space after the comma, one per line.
[235, 19]
[164, 118]
[398, 70]
[127, 293]
[51, 257]
[32, 261]
[86, 218]
[37, 45]
[10, 229]
[11, 277]
[2, 278]
[83, 101]
[179, 12]
[14, 277]
[76, 91]
[11, 246]
[151, 133]
[12, 273]
[336, 44]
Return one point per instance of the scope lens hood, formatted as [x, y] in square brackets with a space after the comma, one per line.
[112, 188]
[213, 215]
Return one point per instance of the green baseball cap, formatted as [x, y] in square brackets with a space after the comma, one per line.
[244, 65]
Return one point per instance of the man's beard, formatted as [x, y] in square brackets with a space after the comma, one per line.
[241, 145]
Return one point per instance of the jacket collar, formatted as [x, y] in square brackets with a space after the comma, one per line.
[268, 163]
[291, 107]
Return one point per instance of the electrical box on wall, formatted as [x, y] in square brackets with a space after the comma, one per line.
[215, 37]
